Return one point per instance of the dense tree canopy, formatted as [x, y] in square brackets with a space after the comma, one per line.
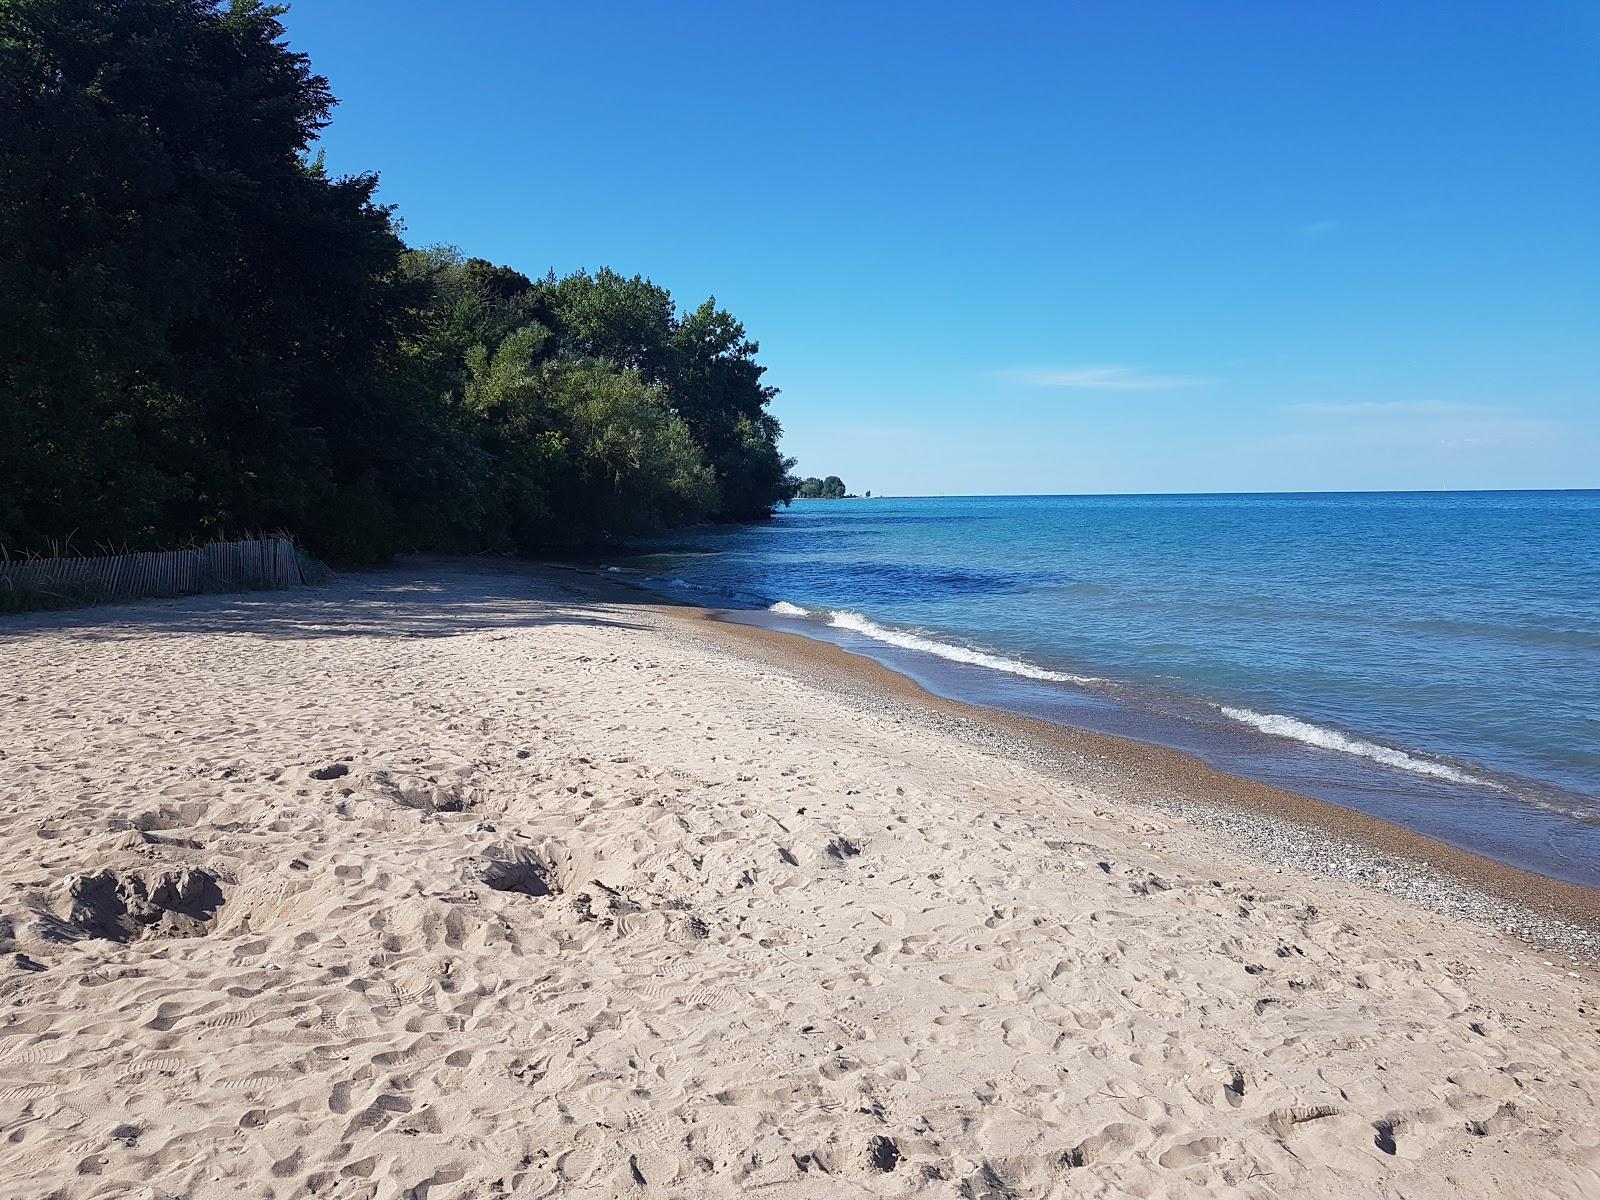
[206, 332]
[831, 488]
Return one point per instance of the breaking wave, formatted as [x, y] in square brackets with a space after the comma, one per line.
[906, 640]
[1332, 739]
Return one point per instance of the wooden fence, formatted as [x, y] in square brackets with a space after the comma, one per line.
[267, 562]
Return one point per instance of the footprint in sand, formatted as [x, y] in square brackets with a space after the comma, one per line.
[252, 1083]
[25, 1092]
[1192, 1154]
[650, 1129]
[714, 999]
[27, 1056]
[143, 1068]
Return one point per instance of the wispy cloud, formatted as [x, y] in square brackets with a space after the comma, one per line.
[1098, 379]
[1395, 408]
[1317, 228]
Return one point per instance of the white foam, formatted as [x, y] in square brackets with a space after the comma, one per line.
[784, 609]
[963, 654]
[1332, 739]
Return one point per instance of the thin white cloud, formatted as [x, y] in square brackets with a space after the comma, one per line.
[1394, 408]
[1317, 228]
[1098, 379]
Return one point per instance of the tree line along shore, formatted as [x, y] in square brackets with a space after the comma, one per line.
[208, 332]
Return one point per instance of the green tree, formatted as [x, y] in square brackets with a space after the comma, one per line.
[206, 332]
[199, 320]
[628, 322]
[507, 398]
[831, 488]
[636, 464]
[704, 361]
[716, 387]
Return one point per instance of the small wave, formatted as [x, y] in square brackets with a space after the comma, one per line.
[855, 622]
[784, 609]
[1332, 739]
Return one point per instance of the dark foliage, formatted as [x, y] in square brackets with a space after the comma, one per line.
[205, 332]
[831, 488]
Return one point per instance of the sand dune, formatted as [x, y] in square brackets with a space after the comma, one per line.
[458, 884]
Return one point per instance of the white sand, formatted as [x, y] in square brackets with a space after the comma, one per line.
[790, 948]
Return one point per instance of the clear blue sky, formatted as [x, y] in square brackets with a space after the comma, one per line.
[1054, 248]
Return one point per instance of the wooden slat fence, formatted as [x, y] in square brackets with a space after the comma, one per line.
[247, 564]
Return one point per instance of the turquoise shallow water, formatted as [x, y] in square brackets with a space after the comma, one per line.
[1430, 657]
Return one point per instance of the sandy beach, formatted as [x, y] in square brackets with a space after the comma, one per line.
[458, 881]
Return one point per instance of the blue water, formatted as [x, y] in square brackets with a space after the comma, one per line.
[1433, 658]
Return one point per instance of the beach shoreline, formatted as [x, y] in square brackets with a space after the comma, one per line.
[1183, 782]
[1377, 652]
[1303, 831]
[467, 878]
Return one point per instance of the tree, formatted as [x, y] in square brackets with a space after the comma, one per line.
[626, 321]
[831, 488]
[715, 385]
[636, 466]
[206, 332]
[198, 318]
[702, 359]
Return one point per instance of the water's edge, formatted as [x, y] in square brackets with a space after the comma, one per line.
[1300, 832]
[1432, 660]
[1438, 799]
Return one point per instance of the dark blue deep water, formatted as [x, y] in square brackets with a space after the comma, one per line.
[1433, 658]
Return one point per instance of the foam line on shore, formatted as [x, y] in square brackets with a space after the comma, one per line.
[908, 640]
[1331, 739]
[1275, 724]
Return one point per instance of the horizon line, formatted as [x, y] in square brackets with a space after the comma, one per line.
[1256, 492]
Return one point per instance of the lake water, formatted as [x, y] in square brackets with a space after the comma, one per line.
[1432, 658]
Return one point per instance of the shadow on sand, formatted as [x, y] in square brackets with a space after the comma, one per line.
[421, 598]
